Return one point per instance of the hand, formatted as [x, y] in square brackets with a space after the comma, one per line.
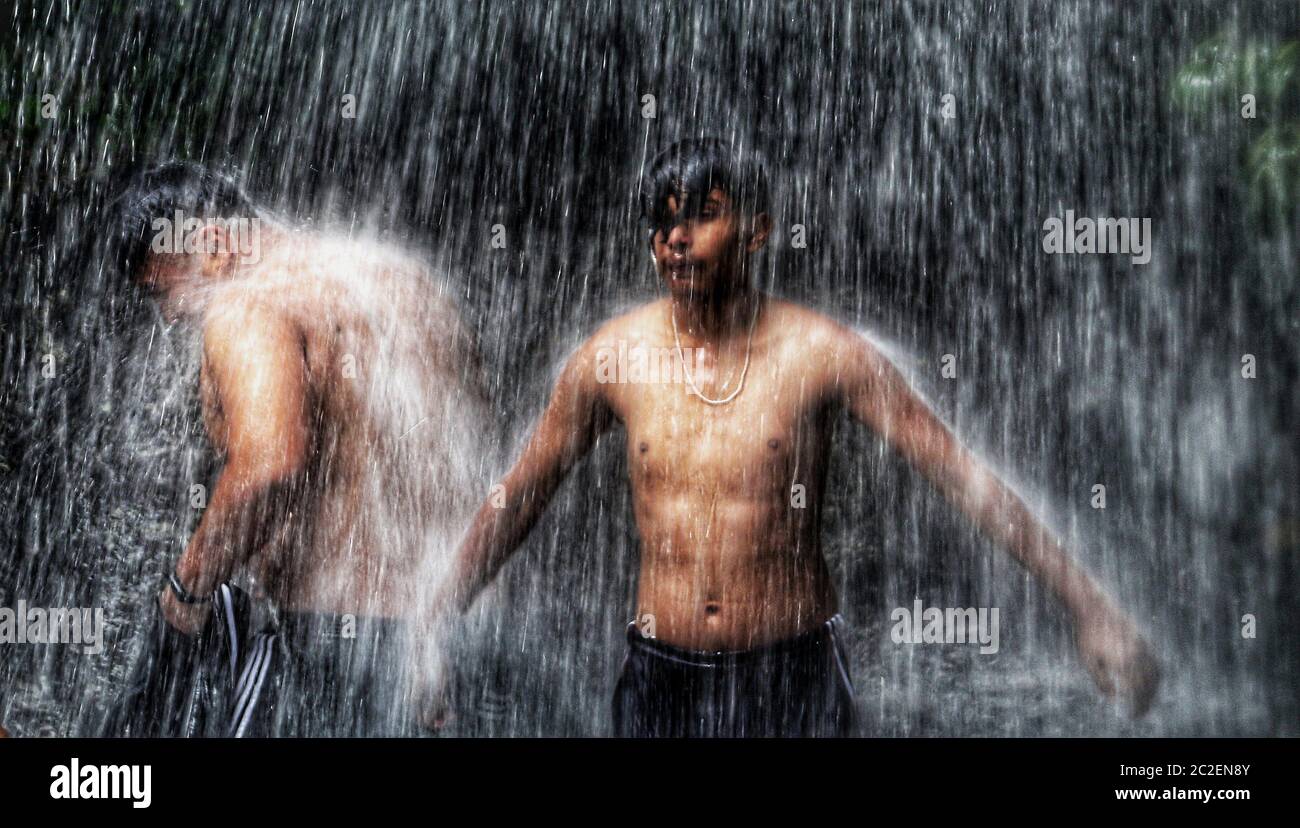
[435, 701]
[434, 698]
[1119, 659]
[185, 618]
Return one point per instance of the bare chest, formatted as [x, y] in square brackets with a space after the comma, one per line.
[773, 433]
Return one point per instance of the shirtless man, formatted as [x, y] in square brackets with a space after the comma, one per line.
[337, 390]
[732, 574]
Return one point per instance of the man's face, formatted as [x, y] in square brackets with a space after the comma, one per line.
[167, 276]
[170, 277]
[700, 256]
[161, 273]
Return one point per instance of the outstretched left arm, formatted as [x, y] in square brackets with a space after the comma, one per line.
[878, 396]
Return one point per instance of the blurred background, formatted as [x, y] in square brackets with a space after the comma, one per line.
[923, 231]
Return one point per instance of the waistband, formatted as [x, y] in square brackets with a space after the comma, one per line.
[812, 640]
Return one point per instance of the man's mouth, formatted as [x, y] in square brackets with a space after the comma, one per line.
[683, 270]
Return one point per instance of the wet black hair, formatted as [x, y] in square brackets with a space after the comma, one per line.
[689, 169]
[157, 192]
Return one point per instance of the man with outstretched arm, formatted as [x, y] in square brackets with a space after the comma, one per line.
[746, 625]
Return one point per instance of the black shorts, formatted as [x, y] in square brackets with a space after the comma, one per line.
[798, 687]
[311, 674]
[321, 674]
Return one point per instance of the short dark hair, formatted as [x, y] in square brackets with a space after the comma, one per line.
[158, 191]
[689, 169]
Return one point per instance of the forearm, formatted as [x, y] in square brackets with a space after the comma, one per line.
[573, 419]
[495, 533]
[1108, 641]
[1003, 516]
[238, 521]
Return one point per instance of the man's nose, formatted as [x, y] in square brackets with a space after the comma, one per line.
[679, 236]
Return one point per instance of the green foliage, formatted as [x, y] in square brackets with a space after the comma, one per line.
[1213, 85]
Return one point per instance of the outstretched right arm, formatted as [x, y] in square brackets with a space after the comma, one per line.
[575, 416]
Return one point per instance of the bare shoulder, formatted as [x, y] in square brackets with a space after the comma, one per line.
[581, 371]
[443, 307]
[820, 342]
[629, 329]
[241, 329]
[644, 324]
[432, 290]
[254, 379]
[442, 315]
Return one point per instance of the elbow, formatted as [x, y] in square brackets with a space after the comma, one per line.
[275, 469]
[284, 466]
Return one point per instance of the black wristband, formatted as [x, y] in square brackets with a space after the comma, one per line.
[182, 594]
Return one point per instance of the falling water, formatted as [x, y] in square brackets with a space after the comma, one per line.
[432, 128]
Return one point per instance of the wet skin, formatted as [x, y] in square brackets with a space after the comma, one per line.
[730, 556]
[325, 369]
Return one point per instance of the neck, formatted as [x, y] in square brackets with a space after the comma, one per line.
[716, 318]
